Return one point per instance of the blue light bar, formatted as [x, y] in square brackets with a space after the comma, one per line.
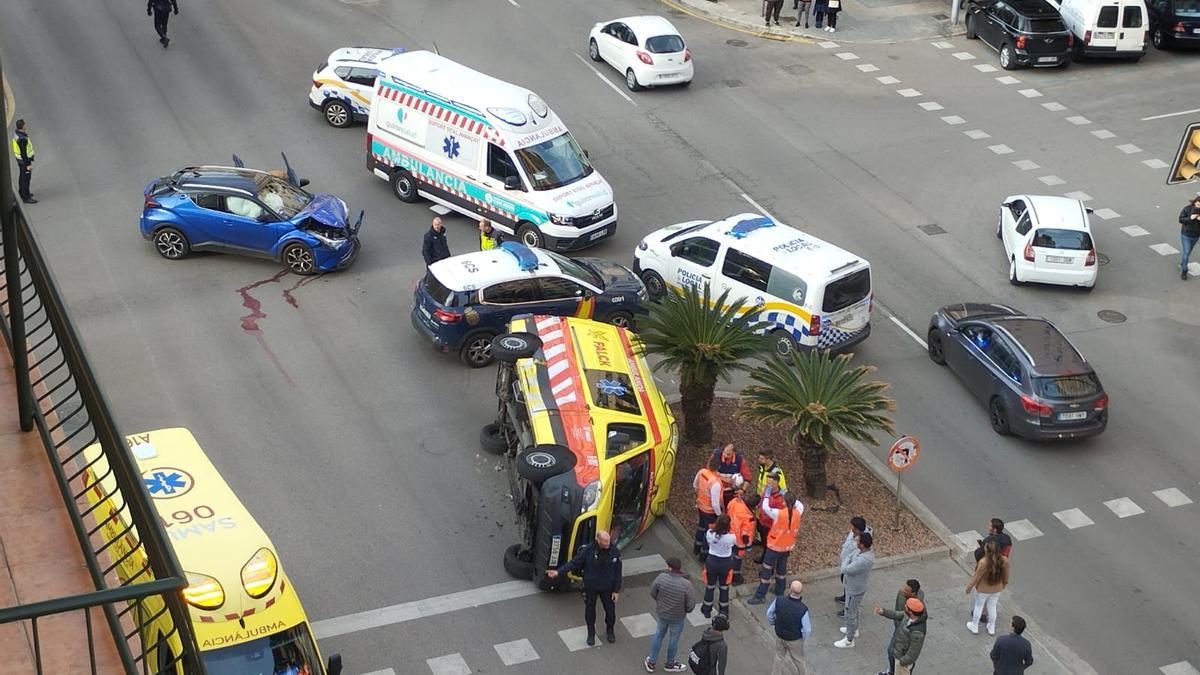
[527, 260]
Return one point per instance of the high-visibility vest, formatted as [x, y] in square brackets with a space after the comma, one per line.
[704, 482]
[487, 241]
[781, 537]
[16, 148]
[760, 480]
[741, 521]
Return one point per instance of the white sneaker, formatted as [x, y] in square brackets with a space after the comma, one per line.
[973, 627]
[832, 30]
[991, 630]
[856, 633]
[844, 643]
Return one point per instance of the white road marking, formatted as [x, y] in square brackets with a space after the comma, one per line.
[1026, 164]
[1030, 93]
[695, 618]
[439, 209]
[450, 664]
[640, 625]
[1174, 114]
[385, 671]
[1007, 79]
[1052, 180]
[1155, 163]
[1081, 196]
[1074, 518]
[969, 540]
[887, 79]
[514, 3]
[1135, 231]
[976, 134]
[1194, 269]
[1022, 530]
[1181, 668]
[943, 45]
[964, 56]
[827, 45]
[1103, 134]
[907, 330]
[1106, 214]
[1001, 149]
[931, 106]
[953, 120]
[1124, 507]
[867, 67]
[847, 56]
[1078, 120]
[908, 93]
[985, 67]
[1173, 497]
[1164, 249]
[576, 638]
[517, 651]
[606, 81]
[758, 207]
[1129, 148]
[1054, 106]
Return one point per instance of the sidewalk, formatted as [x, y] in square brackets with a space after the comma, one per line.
[882, 21]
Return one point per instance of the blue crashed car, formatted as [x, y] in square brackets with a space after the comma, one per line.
[249, 212]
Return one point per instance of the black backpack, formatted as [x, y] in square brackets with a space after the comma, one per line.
[700, 658]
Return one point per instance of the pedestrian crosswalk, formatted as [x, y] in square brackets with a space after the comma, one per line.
[1181, 668]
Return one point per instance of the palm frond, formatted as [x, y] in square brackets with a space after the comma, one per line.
[698, 336]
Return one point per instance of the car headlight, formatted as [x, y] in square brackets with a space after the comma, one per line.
[258, 574]
[591, 496]
[328, 242]
[561, 220]
[642, 294]
[203, 591]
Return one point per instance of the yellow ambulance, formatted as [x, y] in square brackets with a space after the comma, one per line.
[246, 615]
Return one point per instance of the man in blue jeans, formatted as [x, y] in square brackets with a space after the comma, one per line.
[1189, 233]
[672, 593]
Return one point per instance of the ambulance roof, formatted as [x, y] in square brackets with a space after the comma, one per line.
[779, 244]
[365, 56]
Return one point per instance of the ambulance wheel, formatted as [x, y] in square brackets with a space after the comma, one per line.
[509, 347]
[404, 186]
[491, 439]
[171, 243]
[518, 562]
[655, 286]
[538, 463]
[336, 113]
[529, 235]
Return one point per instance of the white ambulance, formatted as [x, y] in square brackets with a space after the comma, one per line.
[487, 149]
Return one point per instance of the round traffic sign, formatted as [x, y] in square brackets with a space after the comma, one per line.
[903, 453]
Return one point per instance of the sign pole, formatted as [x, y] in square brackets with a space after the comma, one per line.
[899, 487]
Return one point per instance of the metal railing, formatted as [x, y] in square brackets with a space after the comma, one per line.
[131, 564]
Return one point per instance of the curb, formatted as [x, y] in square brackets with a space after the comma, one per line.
[10, 102]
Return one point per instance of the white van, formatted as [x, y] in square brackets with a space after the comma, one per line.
[487, 149]
[807, 292]
[1106, 28]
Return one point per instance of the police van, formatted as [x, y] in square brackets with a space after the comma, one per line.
[342, 84]
[806, 292]
[487, 149]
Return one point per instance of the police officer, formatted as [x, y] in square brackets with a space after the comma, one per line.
[22, 147]
[433, 245]
[489, 238]
[161, 9]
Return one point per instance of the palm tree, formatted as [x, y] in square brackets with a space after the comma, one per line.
[818, 398]
[703, 340]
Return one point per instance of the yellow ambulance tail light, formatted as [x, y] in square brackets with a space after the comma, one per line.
[258, 575]
[203, 591]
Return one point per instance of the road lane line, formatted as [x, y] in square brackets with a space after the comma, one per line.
[514, 3]
[1174, 114]
[453, 602]
[758, 207]
[907, 330]
[605, 80]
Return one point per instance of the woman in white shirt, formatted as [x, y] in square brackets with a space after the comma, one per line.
[718, 566]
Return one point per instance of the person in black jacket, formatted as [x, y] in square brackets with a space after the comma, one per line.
[599, 563]
[1189, 233]
[434, 246]
[1012, 653]
[161, 9]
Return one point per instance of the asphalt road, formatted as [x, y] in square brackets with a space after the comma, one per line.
[355, 445]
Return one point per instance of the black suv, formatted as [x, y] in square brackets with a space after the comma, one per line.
[1174, 23]
[1024, 32]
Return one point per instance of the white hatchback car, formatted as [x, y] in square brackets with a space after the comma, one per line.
[1047, 240]
[647, 50]
[343, 84]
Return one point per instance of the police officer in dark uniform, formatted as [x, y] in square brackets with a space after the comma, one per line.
[22, 148]
[161, 9]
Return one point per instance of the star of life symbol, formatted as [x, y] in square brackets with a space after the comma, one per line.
[610, 387]
[450, 146]
[167, 482]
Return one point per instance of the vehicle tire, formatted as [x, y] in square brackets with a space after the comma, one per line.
[999, 224]
[783, 345]
[620, 319]
[1007, 59]
[491, 439]
[970, 22]
[298, 258]
[656, 288]
[933, 342]
[1065, 64]
[529, 235]
[337, 113]
[171, 243]
[509, 347]
[404, 186]
[476, 350]
[1158, 39]
[1088, 289]
[538, 463]
[594, 51]
[998, 417]
[519, 562]
[631, 80]
[685, 85]
[1012, 273]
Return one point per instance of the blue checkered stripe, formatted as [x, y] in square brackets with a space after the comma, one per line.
[831, 337]
[828, 337]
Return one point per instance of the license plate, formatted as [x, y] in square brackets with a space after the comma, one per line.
[1105, 36]
[1067, 416]
[597, 234]
[1196, 30]
[1048, 59]
[1059, 259]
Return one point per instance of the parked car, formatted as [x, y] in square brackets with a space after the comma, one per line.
[466, 300]
[1174, 23]
[248, 212]
[342, 85]
[1032, 379]
[1023, 32]
[647, 50]
[1047, 240]
[1106, 28]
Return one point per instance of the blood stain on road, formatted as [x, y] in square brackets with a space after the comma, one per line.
[250, 321]
[287, 292]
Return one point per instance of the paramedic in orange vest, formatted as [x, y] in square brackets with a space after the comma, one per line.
[734, 470]
[708, 503]
[741, 519]
[781, 539]
[771, 494]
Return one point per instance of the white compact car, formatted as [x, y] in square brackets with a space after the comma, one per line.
[647, 50]
[342, 86]
[1047, 240]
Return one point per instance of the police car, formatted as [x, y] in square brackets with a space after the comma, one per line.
[344, 83]
[466, 300]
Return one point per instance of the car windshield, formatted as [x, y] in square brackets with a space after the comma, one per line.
[686, 230]
[664, 44]
[289, 652]
[281, 196]
[1046, 26]
[1067, 386]
[554, 163]
[1187, 7]
[576, 270]
[1070, 240]
[613, 390]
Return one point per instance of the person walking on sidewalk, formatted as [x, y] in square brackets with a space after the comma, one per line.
[772, 7]
[803, 10]
[673, 600]
[910, 636]
[819, 9]
[22, 148]
[858, 525]
[709, 506]
[910, 589]
[855, 571]
[789, 615]
[832, 9]
[1189, 233]
[741, 524]
[990, 578]
[718, 566]
[434, 246]
[781, 539]
[733, 469]
[600, 565]
[1012, 653]
[161, 9]
[710, 655]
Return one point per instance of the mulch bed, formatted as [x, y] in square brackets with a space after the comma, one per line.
[823, 529]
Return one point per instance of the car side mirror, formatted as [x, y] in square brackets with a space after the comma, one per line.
[1089, 209]
[1007, 205]
[334, 667]
[512, 183]
[586, 154]
[304, 182]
